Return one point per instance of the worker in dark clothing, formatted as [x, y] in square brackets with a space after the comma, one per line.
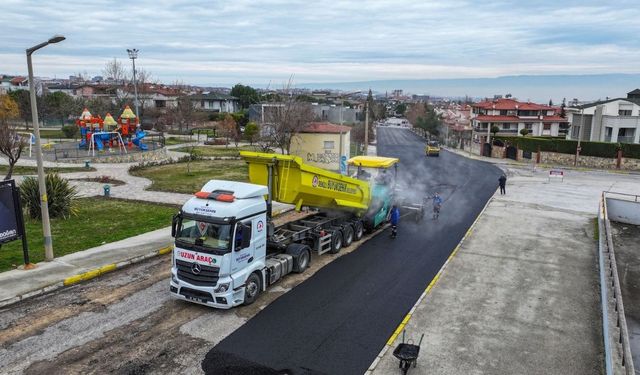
[395, 218]
[502, 181]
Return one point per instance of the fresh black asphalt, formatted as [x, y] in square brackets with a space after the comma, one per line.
[338, 320]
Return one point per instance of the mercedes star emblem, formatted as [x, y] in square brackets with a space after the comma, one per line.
[195, 268]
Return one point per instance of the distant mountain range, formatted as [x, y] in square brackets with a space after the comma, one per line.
[538, 88]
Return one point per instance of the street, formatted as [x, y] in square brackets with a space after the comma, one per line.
[338, 320]
[332, 319]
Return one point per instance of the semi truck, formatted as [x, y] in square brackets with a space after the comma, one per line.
[228, 250]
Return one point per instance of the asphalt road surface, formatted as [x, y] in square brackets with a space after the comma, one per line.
[338, 320]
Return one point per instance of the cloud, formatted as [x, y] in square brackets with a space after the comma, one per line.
[250, 42]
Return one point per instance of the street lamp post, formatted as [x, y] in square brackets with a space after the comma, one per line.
[42, 187]
[575, 163]
[133, 55]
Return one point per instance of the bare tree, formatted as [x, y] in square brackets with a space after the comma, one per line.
[11, 146]
[115, 70]
[288, 119]
[228, 129]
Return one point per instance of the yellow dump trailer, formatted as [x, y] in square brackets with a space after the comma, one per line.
[297, 183]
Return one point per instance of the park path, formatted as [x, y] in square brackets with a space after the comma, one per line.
[134, 188]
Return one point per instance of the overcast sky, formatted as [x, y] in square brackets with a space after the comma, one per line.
[231, 41]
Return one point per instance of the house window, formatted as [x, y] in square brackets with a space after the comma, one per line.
[161, 103]
[329, 145]
[624, 112]
[547, 127]
[503, 112]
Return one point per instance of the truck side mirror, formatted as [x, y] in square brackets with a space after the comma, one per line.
[174, 224]
[246, 236]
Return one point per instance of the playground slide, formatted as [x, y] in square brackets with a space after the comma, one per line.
[98, 142]
[138, 140]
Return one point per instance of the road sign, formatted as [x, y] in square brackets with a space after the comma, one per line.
[10, 230]
[11, 220]
[555, 174]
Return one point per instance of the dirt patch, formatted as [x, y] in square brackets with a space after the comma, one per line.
[153, 344]
[63, 304]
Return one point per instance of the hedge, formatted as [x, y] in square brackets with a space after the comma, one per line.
[565, 146]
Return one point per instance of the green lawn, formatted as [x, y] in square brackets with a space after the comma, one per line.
[52, 133]
[170, 141]
[22, 170]
[175, 178]
[219, 150]
[98, 221]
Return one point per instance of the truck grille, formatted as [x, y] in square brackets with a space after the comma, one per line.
[208, 275]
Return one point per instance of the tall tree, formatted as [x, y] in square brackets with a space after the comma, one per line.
[401, 109]
[115, 71]
[21, 97]
[247, 95]
[288, 119]
[59, 105]
[228, 128]
[11, 144]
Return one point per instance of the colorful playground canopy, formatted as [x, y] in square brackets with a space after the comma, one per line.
[128, 113]
[109, 121]
[86, 115]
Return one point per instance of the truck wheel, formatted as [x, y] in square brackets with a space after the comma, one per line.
[302, 263]
[347, 235]
[358, 230]
[336, 242]
[251, 289]
[301, 256]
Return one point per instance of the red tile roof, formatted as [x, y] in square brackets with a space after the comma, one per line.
[511, 104]
[488, 118]
[325, 127]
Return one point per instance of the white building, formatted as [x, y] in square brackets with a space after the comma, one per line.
[216, 102]
[613, 120]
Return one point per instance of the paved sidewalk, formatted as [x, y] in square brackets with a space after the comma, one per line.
[521, 295]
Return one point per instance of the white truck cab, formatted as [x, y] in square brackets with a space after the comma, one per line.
[220, 245]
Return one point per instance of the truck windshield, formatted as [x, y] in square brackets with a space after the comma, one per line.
[203, 234]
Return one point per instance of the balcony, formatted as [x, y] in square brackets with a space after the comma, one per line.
[627, 139]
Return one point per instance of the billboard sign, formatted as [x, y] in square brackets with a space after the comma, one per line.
[10, 217]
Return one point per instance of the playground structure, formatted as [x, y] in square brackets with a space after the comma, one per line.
[98, 133]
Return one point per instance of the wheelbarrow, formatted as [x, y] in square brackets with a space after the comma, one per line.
[407, 353]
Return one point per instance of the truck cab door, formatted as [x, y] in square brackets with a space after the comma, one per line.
[243, 246]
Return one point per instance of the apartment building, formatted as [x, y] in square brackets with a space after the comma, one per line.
[612, 120]
[511, 116]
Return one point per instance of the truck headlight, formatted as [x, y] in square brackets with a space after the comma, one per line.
[221, 288]
[174, 279]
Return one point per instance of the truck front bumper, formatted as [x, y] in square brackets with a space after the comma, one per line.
[205, 295]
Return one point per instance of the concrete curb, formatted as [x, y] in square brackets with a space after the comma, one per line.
[88, 275]
[424, 294]
[92, 274]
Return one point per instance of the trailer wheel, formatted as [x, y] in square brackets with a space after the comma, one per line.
[251, 289]
[347, 235]
[336, 242]
[301, 257]
[358, 230]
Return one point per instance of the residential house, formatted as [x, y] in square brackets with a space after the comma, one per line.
[613, 120]
[216, 102]
[12, 83]
[323, 144]
[336, 114]
[511, 116]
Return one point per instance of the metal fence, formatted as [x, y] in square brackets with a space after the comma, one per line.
[55, 153]
[614, 331]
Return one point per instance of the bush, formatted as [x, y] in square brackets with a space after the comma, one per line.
[566, 146]
[630, 150]
[60, 194]
[70, 131]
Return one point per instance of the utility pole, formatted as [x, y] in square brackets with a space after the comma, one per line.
[575, 162]
[366, 127]
[133, 55]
